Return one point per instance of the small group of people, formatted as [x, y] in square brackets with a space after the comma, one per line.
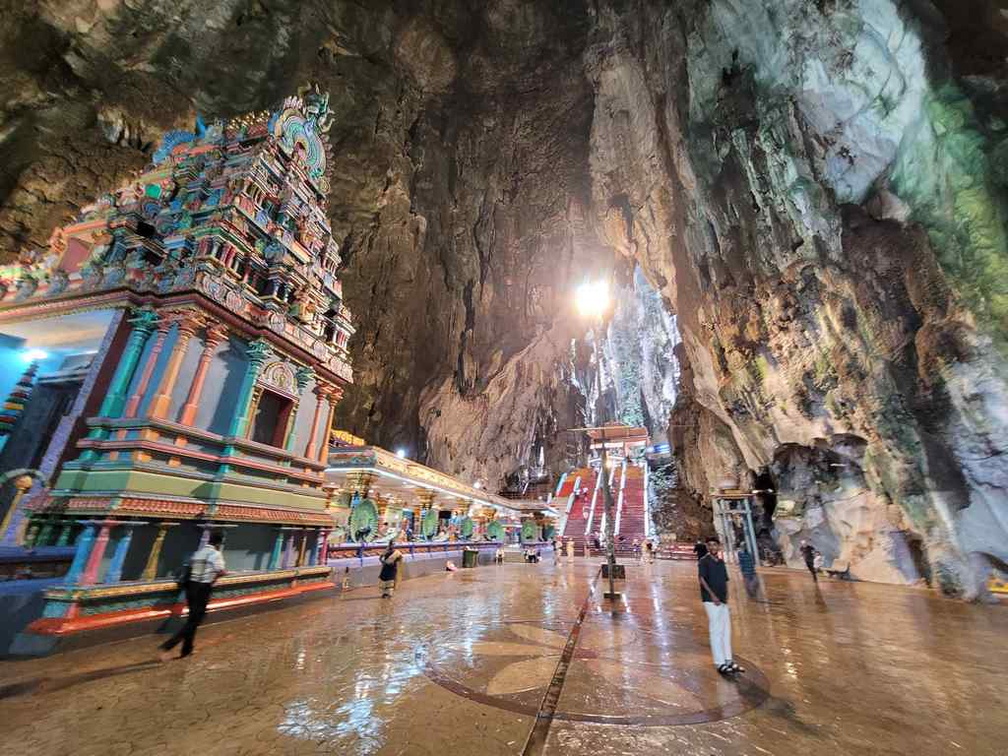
[713, 578]
[644, 552]
[533, 555]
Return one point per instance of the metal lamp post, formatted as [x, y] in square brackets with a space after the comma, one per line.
[593, 301]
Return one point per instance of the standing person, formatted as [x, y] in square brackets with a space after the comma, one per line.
[747, 566]
[499, 555]
[570, 550]
[205, 566]
[713, 575]
[808, 553]
[388, 578]
[636, 549]
[700, 550]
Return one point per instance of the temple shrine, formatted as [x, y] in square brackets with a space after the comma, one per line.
[190, 340]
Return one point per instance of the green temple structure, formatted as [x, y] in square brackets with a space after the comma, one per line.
[192, 336]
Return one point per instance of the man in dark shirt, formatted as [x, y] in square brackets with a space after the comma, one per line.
[713, 575]
[808, 554]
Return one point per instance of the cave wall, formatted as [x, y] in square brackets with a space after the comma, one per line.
[813, 190]
[822, 197]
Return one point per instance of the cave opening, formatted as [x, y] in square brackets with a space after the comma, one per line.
[918, 555]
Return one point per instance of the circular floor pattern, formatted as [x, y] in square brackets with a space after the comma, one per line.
[618, 674]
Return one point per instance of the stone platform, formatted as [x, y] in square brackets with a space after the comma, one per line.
[459, 663]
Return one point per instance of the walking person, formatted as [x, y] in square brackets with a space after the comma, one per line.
[388, 578]
[808, 553]
[205, 566]
[713, 575]
[747, 566]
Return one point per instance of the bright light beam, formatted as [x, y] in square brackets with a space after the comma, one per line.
[592, 298]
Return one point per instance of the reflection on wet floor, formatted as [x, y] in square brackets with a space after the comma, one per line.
[460, 663]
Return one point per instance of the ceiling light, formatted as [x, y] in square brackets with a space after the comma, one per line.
[33, 355]
[401, 453]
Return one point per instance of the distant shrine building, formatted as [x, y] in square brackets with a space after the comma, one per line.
[190, 341]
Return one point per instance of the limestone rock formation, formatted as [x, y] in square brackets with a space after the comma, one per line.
[813, 191]
[822, 195]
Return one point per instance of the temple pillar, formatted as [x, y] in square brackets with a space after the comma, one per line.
[84, 543]
[322, 393]
[150, 569]
[148, 370]
[115, 399]
[114, 572]
[188, 322]
[288, 554]
[319, 555]
[276, 556]
[64, 535]
[32, 532]
[21, 486]
[426, 498]
[46, 531]
[215, 334]
[90, 574]
[143, 325]
[332, 400]
[258, 353]
[302, 549]
[303, 377]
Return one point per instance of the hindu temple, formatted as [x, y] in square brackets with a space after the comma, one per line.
[517, 377]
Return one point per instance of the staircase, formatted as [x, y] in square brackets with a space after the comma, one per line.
[577, 513]
[631, 520]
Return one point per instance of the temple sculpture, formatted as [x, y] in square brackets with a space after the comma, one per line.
[197, 341]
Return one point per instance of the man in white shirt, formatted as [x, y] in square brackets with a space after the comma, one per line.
[205, 566]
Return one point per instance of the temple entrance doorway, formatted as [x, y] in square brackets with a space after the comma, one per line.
[270, 423]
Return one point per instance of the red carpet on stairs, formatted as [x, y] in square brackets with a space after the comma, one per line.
[631, 523]
[578, 517]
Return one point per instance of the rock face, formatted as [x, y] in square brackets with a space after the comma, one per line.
[813, 193]
[822, 195]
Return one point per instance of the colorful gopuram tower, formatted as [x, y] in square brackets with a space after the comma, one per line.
[221, 354]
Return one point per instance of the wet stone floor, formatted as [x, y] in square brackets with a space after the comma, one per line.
[462, 663]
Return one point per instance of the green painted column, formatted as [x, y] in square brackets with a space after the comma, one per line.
[45, 535]
[143, 323]
[274, 562]
[64, 534]
[115, 400]
[258, 353]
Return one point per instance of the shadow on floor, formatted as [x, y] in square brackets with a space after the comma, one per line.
[49, 684]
